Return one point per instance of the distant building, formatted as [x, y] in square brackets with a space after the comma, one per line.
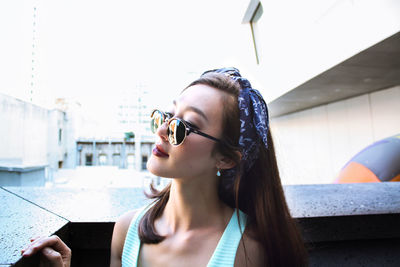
[34, 142]
[133, 112]
[113, 152]
[112, 148]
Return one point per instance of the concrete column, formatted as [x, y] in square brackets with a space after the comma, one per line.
[78, 155]
[138, 152]
[94, 159]
[109, 154]
[123, 155]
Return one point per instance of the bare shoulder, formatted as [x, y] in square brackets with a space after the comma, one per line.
[249, 253]
[121, 228]
[124, 221]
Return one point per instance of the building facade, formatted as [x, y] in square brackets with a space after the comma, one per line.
[114, 152]
[34, 142]
[331, 77]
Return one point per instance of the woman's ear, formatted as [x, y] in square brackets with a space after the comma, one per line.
[228, 163]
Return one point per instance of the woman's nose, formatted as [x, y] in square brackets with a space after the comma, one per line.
[162, 131]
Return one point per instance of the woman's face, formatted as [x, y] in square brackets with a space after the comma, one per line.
[200, 105]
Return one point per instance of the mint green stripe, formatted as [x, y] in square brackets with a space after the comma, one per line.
[225, 253]
[223, 256]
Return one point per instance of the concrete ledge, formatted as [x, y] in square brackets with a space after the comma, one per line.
[342, 224]
[21, 220]
[338, 212]
[22, 175]
[327, 200]
[21, 168]
[82, 204]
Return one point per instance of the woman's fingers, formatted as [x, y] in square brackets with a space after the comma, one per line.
[33, 242]
[53, 241]
[53, 257]
[35, 238]
[59, 245]
[54, 252]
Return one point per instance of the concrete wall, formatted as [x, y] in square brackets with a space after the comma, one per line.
[28, 176]
[69, 139]
[314, 144]
[29, 137]
[298, 40]
[23, 132]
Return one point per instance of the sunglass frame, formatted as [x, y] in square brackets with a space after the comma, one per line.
[189, 128]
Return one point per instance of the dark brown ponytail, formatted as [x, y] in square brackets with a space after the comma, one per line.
[261, 197]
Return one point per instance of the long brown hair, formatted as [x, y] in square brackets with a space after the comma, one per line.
[257, 192]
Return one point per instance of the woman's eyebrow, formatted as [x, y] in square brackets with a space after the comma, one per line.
[194, 109]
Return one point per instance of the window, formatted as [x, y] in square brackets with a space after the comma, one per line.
[131, 161]
[144, 162]
[88, 161]
[116, 159]
[59, 136]
[102, 159]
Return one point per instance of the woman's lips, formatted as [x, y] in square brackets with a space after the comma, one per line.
[157, 151]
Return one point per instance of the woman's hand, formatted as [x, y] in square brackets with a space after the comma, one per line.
[54, 252]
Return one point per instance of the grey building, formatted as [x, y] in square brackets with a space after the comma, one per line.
[113, 152]
[34, 142]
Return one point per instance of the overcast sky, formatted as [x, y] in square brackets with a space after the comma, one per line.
[93, 51]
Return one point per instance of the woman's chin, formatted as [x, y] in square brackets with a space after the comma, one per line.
[154, 169]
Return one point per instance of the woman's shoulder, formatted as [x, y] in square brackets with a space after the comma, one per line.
[249, 253]
[121, 228]
[124, 221]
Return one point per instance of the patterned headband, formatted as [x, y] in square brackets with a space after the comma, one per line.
[254, 121]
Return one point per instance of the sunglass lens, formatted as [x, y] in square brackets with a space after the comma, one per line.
[176, 132]
[157, 119]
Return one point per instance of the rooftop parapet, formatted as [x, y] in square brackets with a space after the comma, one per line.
[342, 224]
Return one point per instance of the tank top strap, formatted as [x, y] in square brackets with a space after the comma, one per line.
[223, 256]
[130, 252]
[225, 252]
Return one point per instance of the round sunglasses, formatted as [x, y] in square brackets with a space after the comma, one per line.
[177, 129]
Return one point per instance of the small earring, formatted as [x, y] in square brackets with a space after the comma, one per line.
[218, 173]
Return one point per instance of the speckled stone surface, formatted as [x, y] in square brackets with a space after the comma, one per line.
[344, 222]
[338, 212]
[19, 221]
[305, 201]
[309, 201]
[84, 205]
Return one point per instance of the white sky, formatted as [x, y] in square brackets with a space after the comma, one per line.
[93, 50]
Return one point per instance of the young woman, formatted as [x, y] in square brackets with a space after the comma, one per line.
[225, 205]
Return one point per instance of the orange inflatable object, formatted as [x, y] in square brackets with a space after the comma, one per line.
[379, 162]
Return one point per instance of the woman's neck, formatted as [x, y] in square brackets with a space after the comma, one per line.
[193, 205]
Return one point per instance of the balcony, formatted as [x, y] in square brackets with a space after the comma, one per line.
[342, 224]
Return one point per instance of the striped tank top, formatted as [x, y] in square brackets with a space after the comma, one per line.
[223, 256]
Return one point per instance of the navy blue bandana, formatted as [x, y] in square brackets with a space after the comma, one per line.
[253, 119]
